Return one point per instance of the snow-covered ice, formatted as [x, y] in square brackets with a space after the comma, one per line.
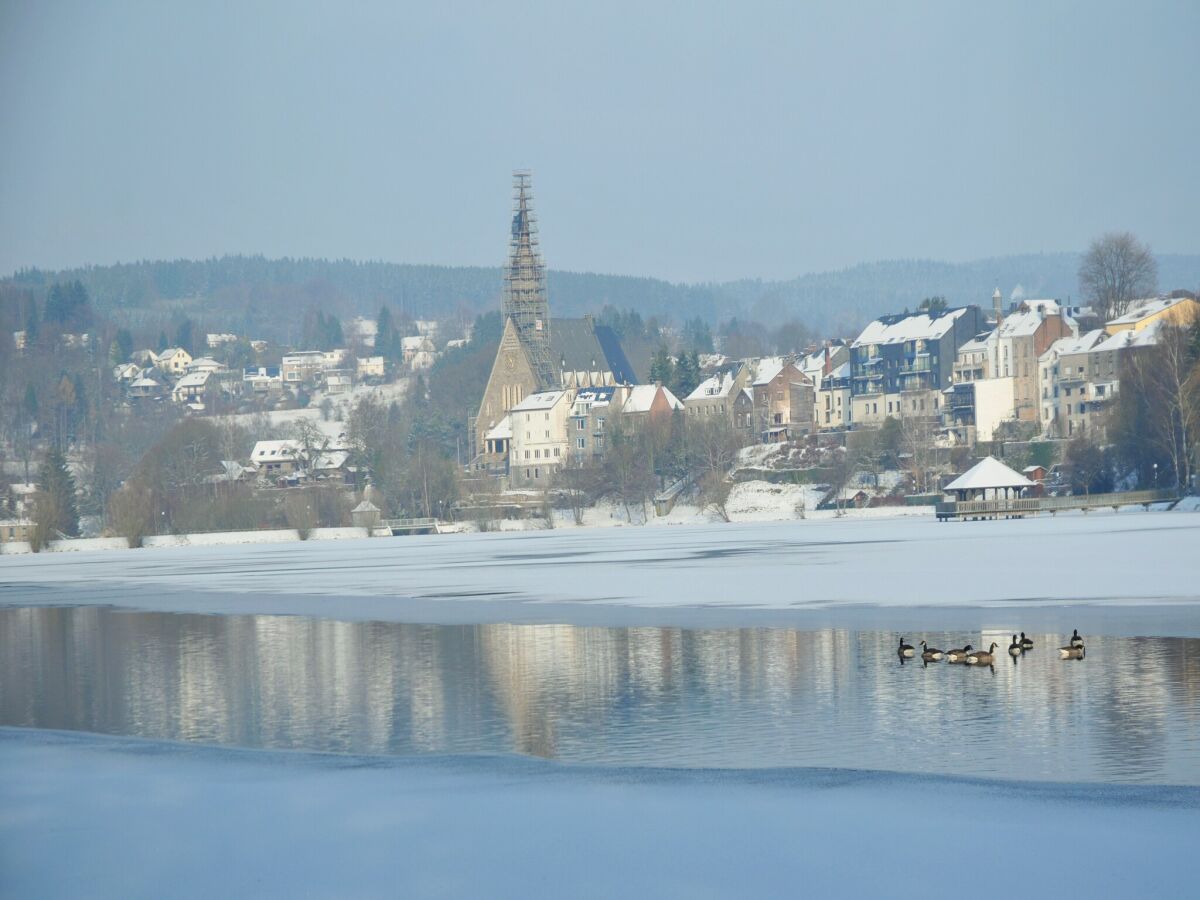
[1136, 564]
[93, 816]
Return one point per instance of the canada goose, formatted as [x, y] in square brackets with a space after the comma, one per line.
[1070, 652]
[959, 655]
[1076, 640]
[930, 653]
[1026, 643]
[1014, 649]
[905, 650]
[981, 657]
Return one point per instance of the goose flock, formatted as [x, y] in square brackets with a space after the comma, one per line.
[970, 656]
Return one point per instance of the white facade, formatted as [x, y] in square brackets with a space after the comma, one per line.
[539, 437]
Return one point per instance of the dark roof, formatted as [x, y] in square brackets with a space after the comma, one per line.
[581, 345]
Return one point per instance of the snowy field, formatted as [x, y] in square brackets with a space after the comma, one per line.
[1103, 571]
[94, 816]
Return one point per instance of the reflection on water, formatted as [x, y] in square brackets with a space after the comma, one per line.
[609, 696]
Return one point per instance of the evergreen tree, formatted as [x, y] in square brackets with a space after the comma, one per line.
[687, 374]
[58, 489]
[162, 341]
[124, 341]
[30, 404]
[662, 369]
[185, 335]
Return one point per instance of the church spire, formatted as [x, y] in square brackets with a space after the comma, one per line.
[524, 299]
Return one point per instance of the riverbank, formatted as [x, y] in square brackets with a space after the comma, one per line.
[117, 817]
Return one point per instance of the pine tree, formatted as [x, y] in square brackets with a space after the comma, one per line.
[662, 369]
[687, 375]
[58, 490]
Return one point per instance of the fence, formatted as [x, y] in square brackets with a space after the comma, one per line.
[1031, 506]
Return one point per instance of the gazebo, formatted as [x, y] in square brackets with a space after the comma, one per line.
[989, 479]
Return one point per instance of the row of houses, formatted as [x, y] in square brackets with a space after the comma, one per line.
[1047, 365]
[174, 373]
[1042, 365]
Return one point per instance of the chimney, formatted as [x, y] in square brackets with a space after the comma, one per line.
[828, 367]
[996, 303]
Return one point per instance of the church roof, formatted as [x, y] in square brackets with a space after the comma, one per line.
[580, 345]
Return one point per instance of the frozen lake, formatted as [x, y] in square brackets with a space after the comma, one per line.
[610, 696]
[678, 711]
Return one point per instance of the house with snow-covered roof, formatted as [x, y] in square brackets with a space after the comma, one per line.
[900, 364]
[784, 400]
[274, 459]
[173, 361]
[539, 437]
[1180, 309]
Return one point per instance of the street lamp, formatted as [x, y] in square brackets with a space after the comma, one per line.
[1156, 476]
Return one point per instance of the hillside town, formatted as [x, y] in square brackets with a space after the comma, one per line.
[360, 427]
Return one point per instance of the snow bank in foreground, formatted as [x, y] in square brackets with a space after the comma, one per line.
[90, 816]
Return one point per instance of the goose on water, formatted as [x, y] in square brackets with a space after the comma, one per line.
[1015, 649]
[1071, 652]
[1026, 643]
[959, 655]
[905, 650]
[1076, 640]
[981, 657]
[930, 653]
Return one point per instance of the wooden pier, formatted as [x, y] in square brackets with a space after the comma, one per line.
[1019, 507]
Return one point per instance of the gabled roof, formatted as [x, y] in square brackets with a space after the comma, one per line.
[1070, 345]
[1124, 340]
[1141, 309]
[1021, 324]
[914, 326]
[581, 345]
[713, 387]
[540, 401]
[193, 379]
[502, 431]
[641, 398]
[989, 472]
[271, 451]
[767, 368]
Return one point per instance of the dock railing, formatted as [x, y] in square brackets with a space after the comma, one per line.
[1031, 506]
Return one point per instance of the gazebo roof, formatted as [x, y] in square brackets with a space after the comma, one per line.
[989, 472]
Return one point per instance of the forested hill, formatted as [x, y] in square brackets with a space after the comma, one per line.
[252, 293]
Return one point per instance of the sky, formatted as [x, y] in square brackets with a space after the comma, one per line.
[697, 141]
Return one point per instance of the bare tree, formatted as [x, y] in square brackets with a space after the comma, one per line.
[1167, 379]
[714, 494]
[1117, 269]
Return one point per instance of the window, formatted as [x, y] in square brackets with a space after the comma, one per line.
[537, 473]
[579, 424]
[537, 454]
[556, 451]
[527, 454]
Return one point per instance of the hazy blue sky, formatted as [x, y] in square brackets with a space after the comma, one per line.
[691, 141]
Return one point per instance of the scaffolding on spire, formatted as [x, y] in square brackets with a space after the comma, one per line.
[524, 299]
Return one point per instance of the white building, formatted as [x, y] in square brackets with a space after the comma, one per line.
[370, 367]
[539, 437]
[174, 361]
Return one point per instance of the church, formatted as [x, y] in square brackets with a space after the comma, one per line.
[538, 353]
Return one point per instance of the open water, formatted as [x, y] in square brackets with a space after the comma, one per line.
[647, 696]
